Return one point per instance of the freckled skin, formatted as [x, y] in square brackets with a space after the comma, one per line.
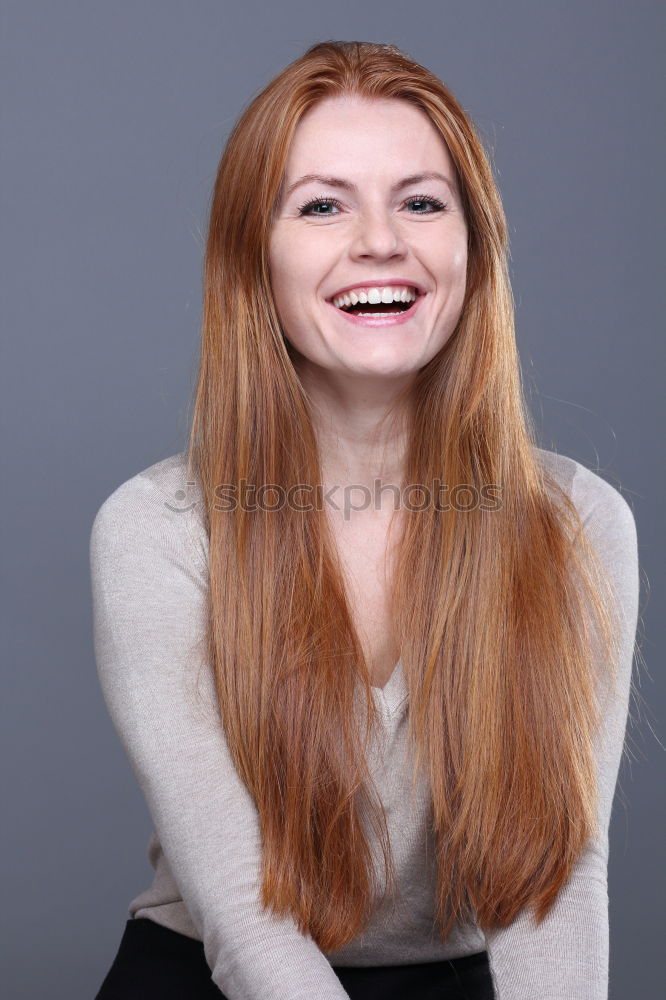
[373, 233]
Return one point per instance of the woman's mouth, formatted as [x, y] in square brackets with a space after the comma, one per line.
[381, 314]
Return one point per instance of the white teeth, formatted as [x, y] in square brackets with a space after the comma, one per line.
[388, 293]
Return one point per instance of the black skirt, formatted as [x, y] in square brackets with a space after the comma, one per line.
[156, 963]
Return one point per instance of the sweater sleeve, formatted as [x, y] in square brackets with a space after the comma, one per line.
[149, 592]
[566, 958]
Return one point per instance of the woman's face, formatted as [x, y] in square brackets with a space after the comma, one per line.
[377, 229]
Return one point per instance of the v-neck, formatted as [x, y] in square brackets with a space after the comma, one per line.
[394, 692]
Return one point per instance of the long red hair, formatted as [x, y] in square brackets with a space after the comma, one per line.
[497, 614]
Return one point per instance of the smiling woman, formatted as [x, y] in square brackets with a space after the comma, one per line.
[380, 744]
[390, 198]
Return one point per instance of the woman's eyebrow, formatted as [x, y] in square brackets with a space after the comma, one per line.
[346, 185]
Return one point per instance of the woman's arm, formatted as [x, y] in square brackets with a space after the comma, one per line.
[566, 958]
[149, 587]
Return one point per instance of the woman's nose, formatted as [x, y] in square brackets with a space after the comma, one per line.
[378, 233]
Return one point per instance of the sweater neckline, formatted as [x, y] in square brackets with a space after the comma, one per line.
[394, 692]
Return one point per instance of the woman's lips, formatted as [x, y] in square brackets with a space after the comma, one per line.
[389, 319]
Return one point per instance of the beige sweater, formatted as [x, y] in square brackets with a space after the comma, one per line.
[148, 554]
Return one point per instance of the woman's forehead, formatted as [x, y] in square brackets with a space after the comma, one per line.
[354, 145]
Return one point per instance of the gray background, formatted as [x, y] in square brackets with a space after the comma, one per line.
[113, 119]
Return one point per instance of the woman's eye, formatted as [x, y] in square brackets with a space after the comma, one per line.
[439, 206]
[307, 208]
